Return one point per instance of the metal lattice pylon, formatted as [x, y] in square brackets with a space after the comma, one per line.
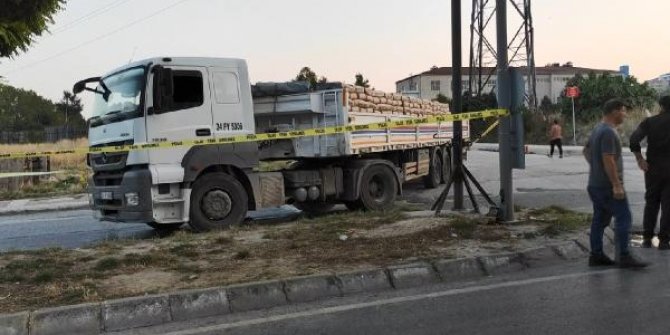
[483, 55]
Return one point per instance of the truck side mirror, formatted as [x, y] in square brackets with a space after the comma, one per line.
[163, 87]
[78, 87]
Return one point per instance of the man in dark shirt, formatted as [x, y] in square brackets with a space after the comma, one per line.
[606, 188]
[656, 167]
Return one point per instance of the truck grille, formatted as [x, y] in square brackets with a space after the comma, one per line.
[109, 161]
[108, 178]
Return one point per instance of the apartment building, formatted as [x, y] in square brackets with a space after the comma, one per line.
[550, 81]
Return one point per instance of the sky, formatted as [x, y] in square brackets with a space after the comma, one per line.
[385, 40]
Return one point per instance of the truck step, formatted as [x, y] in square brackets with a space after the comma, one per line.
[168, 201]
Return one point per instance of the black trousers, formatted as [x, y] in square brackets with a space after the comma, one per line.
[557, 142]
[657, 196]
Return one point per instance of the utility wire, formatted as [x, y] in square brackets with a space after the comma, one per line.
[96, 39]
[90, 15]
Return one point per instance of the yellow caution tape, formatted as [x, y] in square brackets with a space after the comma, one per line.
[487, 131]
[269, 136]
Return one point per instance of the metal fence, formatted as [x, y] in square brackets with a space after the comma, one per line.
[49, 134]
[33, 164]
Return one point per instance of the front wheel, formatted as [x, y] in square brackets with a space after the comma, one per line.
[378, 188]
[218, 201]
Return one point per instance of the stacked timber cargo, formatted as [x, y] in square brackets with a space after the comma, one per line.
[366, 100]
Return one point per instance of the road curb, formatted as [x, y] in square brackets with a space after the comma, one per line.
[82, 319]
[135, 312]
[364, 281]
[542, 256]
[502, 263]
[452, 270]
[306, 289]
[130, 313]
[412, 275]
[15, 324]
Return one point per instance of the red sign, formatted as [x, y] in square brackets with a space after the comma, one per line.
[572, 92]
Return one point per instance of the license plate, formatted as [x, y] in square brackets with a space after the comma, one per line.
[106, 195]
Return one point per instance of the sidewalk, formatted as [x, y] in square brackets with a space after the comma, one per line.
[543, 149]
[77, 201]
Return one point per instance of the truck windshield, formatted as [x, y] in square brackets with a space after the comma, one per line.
[122, 99]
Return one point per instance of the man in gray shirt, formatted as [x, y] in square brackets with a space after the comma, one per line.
[603, 152]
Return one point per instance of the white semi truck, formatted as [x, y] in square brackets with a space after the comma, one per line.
[213, 186]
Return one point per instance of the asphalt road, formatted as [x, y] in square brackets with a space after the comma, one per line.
[566, 299]
[544, 182]
[76, 229]
[66, 229]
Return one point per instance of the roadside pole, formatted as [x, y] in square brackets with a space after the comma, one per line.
[504, 101]
[574, 124]
[457, 102]
[572, 92]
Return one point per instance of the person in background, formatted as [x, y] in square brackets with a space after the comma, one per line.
[606, 189]
[656, 167]
[556, 139]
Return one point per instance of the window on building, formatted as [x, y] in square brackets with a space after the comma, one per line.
[412, 87]
[434, 85]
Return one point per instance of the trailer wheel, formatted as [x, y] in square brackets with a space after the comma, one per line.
[434, 177]
[378, 188]
[314, 208]
[218, 201]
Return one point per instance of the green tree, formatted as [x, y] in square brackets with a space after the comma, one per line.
[477, 103]
[69, 109]
[22, 20]
[361, 81]
[546, 104]
[26, 111]
[441, 98]
[306, 74]
[596, 89]
[22, 110]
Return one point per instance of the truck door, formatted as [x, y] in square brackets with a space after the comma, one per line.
[187, 116]
[231, 107]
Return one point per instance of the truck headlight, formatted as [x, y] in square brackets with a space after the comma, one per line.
[132, 199]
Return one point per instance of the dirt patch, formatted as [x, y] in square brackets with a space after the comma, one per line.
[404, 227]
[338, 242]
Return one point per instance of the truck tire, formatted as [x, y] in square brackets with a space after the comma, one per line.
[314, 208]
[378, 188]
[218, 201]
[164, 228]
[434, 177]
